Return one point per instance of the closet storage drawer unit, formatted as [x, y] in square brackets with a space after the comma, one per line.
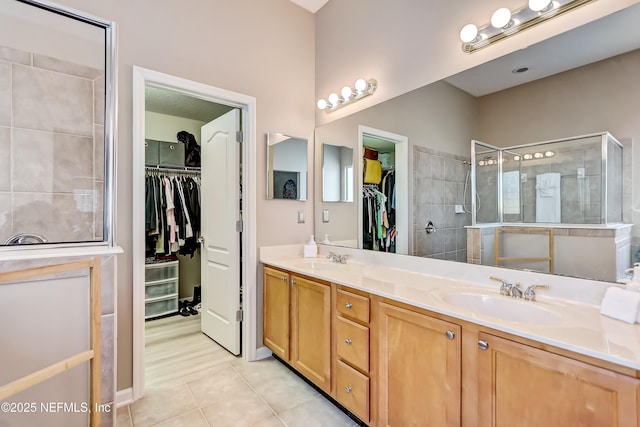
[160, 307]
[160, 271]
[160, 289]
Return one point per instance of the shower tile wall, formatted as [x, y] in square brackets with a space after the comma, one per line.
[438, 184]
[51, 124]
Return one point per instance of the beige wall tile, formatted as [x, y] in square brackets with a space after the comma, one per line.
[15, 55]
[98, 100]
[55, 216]
[5, 160]
[98, 152]
[108, 387]
[52, 162]
[50, 101]
[66, 67]
[5, 216]
[5, 93]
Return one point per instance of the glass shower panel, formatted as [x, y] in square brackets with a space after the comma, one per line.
[487, 184]
[614, 179]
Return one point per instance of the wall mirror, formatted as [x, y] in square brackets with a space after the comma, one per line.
[559, 88]
[337, 173]
[56, 125]
[286, 167]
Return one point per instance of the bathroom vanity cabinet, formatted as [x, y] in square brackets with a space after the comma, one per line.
[297, 323]
[394, 364]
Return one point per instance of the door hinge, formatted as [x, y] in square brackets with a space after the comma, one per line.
[239, 136]
[239, 316]
[239, 226]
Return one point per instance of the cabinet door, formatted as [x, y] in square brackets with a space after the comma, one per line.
[527, 387]
[275, 312]
[311, 330]
[419, 362]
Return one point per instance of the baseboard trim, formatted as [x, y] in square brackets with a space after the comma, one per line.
[124, 397]
[262, 353]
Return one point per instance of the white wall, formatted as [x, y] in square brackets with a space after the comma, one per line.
[163, 127]
[257, 48]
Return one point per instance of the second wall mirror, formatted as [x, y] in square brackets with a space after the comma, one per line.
[337, 173]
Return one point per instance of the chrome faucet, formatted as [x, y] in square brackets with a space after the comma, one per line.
[342, 259]
[530, 293]
[507, 288]
[25, 238]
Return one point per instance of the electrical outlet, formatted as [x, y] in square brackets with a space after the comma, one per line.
[580, 173]
[300, 217]
[325, 215]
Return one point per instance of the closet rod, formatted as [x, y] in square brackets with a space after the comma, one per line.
[184, 169]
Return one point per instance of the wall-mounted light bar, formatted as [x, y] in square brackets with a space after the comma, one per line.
[348, 95]
[505, 23]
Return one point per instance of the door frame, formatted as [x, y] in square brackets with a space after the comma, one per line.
[141, 78]
[401, 144]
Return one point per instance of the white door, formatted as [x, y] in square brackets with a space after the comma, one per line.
[220, 193]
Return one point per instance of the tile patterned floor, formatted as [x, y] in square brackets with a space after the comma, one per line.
[228, 392]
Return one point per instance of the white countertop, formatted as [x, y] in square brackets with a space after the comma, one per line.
[569, 324]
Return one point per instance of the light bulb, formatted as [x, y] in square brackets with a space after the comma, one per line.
[539, 5]
[501, 17]
[468, 33]
[481, 163]
[528, 156]
[538, 155]
[322, 104]
[333, 99]
[361, 85]
[346, 92]
[549, 154]
[516, 158]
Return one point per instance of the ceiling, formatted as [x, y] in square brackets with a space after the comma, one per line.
[173, 103]
[609, 36]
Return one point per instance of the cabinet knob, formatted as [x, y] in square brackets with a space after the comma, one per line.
[283, 278]
[347, 389]
[348, 305]
[293, 281]
[450, 335]
[483, 345]
[347, 341]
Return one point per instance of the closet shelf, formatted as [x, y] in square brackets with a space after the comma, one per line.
[161, 168]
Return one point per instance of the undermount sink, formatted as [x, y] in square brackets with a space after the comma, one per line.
[502, 307]
[320, 265]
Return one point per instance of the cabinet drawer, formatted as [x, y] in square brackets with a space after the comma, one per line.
[161, 271]
[352, 342]
[353, 306]
[158, 308]
[161, 289]
[353, 390]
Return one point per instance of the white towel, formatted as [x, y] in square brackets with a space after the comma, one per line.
[620, 304]
[548, 197]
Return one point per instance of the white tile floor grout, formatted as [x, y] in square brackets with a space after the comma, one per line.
[220, 390]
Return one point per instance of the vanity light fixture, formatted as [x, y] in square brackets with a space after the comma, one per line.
[504, 22]
[361, 89]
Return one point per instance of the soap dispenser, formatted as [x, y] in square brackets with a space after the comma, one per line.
[311, 249]
[326, 240]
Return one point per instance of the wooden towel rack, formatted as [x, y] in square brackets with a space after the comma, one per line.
[523, 230]
[93, 355]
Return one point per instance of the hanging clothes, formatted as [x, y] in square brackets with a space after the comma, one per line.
[172, 213]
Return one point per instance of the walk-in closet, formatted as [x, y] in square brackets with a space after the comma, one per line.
[177, 342]
[378, 195]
